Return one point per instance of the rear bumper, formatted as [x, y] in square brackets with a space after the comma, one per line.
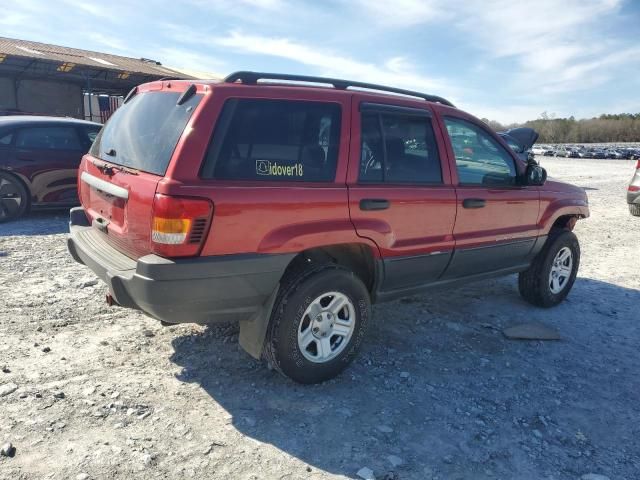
[634, 196]
[198, 290]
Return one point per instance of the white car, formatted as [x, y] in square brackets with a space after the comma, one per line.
[538, 150]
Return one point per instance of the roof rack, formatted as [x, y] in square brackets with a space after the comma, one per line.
[251, 78]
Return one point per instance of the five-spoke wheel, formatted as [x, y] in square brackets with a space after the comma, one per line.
[561, 270]
[551, 275]
[326, 327]
[318, 322]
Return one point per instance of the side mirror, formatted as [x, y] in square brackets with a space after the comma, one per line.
[535, 175]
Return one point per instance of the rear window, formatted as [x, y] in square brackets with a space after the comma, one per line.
[143, 133]
[276, 140]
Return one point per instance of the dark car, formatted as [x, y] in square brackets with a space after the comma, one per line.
[633, 193]
[597, 153]
[521, 140]
[39, 159]
[292, 208]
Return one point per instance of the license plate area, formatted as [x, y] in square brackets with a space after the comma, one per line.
[107, 206]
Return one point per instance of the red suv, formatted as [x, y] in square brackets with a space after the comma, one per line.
[291, 208]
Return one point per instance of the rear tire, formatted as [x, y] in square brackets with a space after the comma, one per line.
[14, 198]
[634, 208]
[550, 277]
[318, 323]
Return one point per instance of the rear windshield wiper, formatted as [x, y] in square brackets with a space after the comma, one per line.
[108, 168]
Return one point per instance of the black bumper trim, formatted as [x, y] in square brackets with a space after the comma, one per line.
[195, 290]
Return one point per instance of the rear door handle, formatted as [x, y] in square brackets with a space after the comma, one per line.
[473, 203]
[374, 204]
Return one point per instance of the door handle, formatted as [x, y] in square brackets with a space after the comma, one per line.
[374, 204]
[473, 203]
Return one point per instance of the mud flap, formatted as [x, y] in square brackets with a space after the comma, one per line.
[254, 330]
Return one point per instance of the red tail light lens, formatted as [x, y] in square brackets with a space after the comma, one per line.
[638, 165]
[179, 225]
[634, 188]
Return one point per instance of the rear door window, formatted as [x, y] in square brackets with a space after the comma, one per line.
[48, 138]
[398, 147]
[277, 140]
[143, 133]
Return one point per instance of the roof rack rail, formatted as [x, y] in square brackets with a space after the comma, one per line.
[251, 78]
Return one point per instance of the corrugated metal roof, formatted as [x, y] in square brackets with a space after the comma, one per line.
[78, 57]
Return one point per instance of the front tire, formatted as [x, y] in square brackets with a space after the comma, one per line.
[14, 198]
[317, 324]
[550, 277]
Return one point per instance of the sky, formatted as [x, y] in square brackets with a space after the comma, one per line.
[505, 60]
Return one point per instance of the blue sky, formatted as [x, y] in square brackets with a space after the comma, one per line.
[505, 60]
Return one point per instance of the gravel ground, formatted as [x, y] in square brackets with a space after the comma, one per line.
[89, 391]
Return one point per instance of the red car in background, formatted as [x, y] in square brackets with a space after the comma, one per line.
[39, 159]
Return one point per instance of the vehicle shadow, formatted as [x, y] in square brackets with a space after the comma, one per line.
[436, 384]
[43, 222]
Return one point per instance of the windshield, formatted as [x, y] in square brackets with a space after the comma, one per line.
[143, 132]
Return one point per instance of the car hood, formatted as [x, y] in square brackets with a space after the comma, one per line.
[526, 137]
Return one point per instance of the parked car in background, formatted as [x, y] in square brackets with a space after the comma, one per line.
[539, 149]
[633, 193]
[291, 208]
[614, 154]
[39, 159]
[596, 153]
[520, 140]
[550, 152]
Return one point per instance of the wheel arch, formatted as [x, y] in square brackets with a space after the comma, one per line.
[563, 216]
[566, 222]
[360, 258]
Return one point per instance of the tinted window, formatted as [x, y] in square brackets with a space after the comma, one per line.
[6, 139]
[49, 138]
[143, 133]
[480, 159]
[398, 148]
[92, 133]
[275, 140]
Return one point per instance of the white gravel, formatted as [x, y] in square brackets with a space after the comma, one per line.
[455, 398]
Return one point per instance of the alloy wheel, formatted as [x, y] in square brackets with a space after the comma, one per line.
[560, 270]
[326, 327]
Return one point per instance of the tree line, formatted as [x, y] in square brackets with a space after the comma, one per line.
[623, 127]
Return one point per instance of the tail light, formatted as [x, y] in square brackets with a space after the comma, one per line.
[638, 165]
[179, 225]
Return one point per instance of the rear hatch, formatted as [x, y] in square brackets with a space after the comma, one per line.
[119, 176]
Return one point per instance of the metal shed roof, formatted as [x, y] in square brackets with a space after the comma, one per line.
[100, 71]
